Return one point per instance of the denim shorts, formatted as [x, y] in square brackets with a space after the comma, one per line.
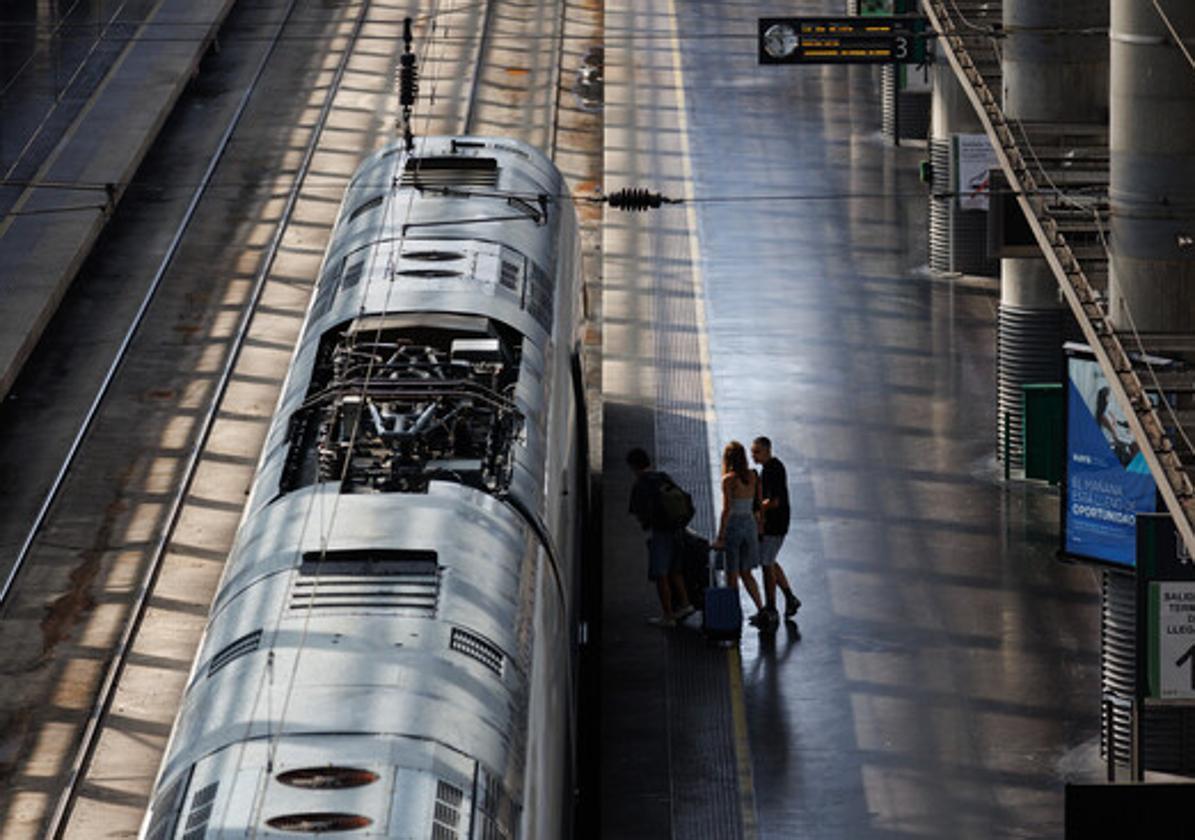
[769, 548]
[663, 554]
[742, 544]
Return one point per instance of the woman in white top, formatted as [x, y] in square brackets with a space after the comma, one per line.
[738, 529]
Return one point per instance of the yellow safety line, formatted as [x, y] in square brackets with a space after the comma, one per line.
[742, 745]
[738, 707]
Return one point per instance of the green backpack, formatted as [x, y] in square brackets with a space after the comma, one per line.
[675, 505]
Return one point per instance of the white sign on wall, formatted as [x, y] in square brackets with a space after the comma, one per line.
[1175, 634]
[974, 159]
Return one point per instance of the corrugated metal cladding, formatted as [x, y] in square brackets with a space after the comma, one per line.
[958, 239]
[1118, 606]
[1027, 342]
[939, 205]
[1168, 732]
[910, 114]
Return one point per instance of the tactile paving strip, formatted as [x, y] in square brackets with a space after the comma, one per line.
[705, 789]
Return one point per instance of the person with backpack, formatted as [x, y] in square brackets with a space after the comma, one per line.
[663, 509]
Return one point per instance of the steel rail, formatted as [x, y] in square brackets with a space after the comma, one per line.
[1172, 480]
[122, 351]
[557, 78]
[116, 667]
[483, 44]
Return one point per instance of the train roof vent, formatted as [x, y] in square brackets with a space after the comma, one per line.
[319, 822]
[370, 580]
[447, 816]
[201, 812]
[328, 284]
[496, 814]
[477, 647]
[352, 275]
[450, 171]
[509, 274]
[540, 297]
[328, 778]
[431, 273]
[166, 809]
[365, 207]
[243, 646]
[433, 255]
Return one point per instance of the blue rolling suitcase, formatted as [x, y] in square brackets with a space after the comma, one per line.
[722, 618]
[695, 565]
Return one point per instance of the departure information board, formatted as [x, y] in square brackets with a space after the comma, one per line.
[852, 40]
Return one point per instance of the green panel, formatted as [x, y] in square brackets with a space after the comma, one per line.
[1153, 662]
[1044, 445]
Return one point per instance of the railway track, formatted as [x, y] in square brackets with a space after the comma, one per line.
[114, 577]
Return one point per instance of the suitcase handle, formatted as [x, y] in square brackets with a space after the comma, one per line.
[717, 557]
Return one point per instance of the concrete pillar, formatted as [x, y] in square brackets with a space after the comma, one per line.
[957, 238]
[1055, 65]
[1152, 145]
[1054, 71]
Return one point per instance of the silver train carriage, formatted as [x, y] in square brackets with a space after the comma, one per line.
[391, 649]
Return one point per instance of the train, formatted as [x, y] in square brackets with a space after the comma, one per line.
[392, 650]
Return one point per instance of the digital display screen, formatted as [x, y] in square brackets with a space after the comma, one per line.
[840, 40]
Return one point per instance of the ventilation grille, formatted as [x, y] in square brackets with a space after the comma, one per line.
[166, 808]
[540, 295]
[429, 273]
[362, 209]
[495, 812]
[319, 822]
[436, 172]
[447, 816]
[403, 582]
[201, 812]
[352, 275]
[509, 276]
[477, 647]
[331, 283]
[326, 290]
[235, 650]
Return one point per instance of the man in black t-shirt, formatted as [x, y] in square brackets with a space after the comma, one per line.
[776, 515]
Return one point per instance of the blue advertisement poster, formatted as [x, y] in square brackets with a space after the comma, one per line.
[1107, 480]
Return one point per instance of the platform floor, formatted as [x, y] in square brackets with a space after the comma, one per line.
[943, 677]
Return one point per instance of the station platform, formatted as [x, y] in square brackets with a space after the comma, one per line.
[84, 94]
[942, 677]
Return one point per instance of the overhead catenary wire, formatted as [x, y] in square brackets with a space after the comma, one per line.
[266, 681]
[315, 506]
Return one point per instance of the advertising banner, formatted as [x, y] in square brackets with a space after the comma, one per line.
[1107, 480]
[974, 161]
